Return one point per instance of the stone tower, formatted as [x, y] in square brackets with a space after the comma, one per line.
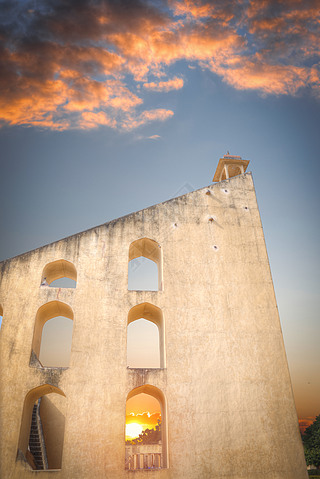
[223, 382]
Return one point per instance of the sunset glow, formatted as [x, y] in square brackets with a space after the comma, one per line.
[304, 423]
[133, 430]
[142, 412]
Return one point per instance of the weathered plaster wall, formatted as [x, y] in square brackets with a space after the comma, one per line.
[52, 413]
[229, 403]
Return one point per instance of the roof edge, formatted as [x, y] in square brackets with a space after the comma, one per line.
[249, 173]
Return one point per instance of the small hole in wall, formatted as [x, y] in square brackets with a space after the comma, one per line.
[245, 208]
[215, 247]
[211, 218]
[174, 225]
[225, 191]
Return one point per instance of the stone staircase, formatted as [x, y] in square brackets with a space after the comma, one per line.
[36, 442]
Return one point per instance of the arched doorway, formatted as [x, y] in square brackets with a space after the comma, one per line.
[141, 358]
[145, 265]
[60, 313]
[146, 433]
[42, 427]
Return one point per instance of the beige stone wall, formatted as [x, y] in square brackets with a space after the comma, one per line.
[52, 413]
[227, 393]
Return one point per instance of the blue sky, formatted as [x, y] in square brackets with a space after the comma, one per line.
[139, 109]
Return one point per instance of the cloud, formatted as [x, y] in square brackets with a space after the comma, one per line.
[154, 137]
[90, 119]
[132, 122]
[192, 8]
[146, 419]
[80, 64]
[174, 84]
[254, 74]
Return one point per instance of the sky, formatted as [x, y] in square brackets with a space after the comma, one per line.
[142, 410]
[108, 107]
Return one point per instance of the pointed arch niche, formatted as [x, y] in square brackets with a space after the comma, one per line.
[230, 171]
[140, 461]
[42, 427]
[142, 273]
[60, 335]
[148, 312]
[59, 274]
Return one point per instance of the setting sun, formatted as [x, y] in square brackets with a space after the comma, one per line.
[133, 430]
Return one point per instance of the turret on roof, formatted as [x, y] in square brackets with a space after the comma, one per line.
[229, 166]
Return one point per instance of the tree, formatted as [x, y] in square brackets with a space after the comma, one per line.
[311, 442]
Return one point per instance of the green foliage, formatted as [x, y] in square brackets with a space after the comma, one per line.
[311, 442]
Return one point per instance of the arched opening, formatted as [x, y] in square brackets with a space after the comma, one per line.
[42, 427]
[1, 315]
[145, 341]
[146, 429]
[56, 339]
[145, 266]
[59, 274]
[51, 343]
[231, 170]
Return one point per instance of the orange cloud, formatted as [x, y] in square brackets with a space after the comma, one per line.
[199, 10]
[93, 120]
[253, 74]
[146, 419]
[81, 65]
[193, 8]
[174, 84]
[284, 29]
[159, 114]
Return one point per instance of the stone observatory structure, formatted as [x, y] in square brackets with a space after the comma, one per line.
[223, 383]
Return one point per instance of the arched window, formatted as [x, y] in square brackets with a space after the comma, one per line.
[146, 429]
[145, 265]
[59, 274]
[51, 343]
[146, 342]
[42, 427]
[1, 315]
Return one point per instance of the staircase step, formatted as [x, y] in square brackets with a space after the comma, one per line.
[35, 444]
